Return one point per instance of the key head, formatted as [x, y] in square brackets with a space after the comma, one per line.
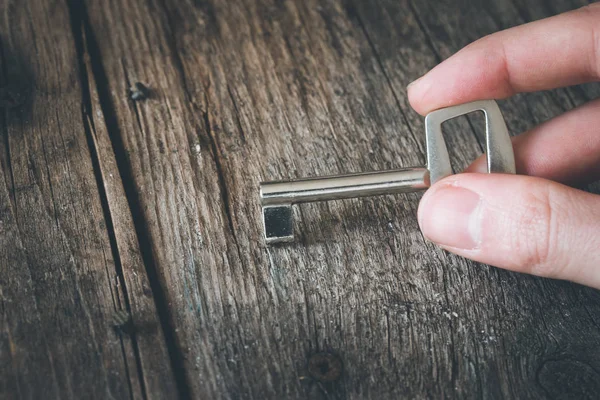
[499, 150]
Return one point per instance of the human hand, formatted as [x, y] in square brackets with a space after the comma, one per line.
[530, 224]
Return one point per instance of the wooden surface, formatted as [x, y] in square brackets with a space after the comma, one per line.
[131, 259]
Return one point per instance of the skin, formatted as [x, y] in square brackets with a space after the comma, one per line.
[532, 222]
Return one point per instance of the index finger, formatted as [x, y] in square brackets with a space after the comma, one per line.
[554, 52]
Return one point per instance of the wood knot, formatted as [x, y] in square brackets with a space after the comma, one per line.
[325, 367]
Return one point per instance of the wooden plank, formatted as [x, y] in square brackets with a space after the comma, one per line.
[283, 89]
[261, 89]
[66, 267]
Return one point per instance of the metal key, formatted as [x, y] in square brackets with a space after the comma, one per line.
[277, 197]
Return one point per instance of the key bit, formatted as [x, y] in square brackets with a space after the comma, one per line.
[278, 197]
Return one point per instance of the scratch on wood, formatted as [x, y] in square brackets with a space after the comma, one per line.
[237, 115]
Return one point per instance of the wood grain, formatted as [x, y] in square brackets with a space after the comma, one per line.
[61, 277]
[361, 306]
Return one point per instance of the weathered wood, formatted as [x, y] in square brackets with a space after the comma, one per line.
[239, 91]
[69, 262]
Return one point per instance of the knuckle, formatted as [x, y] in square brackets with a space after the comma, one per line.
[535, 236]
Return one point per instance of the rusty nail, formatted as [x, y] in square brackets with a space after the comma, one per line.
[139, 92]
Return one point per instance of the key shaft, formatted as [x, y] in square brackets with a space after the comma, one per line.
[277, 197]
[337, 187]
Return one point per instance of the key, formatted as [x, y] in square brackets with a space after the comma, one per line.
[278, 197]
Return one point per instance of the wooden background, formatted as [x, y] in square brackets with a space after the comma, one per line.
[111, 207]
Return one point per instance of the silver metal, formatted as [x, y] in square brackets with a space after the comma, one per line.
[336, 187]
[277, 197]
[499, 151]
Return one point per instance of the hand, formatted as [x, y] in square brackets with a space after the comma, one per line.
[528, 223]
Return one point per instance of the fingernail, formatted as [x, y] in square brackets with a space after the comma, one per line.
[414, 82]
[451, 216]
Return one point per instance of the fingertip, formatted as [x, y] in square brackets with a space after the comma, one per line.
[448, 217]
[478, 166]
[515, 222]
[416, 91]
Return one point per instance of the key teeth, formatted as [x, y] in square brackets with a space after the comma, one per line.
[278, 222]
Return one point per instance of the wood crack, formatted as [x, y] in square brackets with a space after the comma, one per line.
[44, 152]
[237, 114]
[4, 126]
[214, 150]
[11, 190]
[116, 304]
[87, 46]
[79, 34]
[423, 29]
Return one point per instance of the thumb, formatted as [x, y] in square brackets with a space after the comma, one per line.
[520, 223]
